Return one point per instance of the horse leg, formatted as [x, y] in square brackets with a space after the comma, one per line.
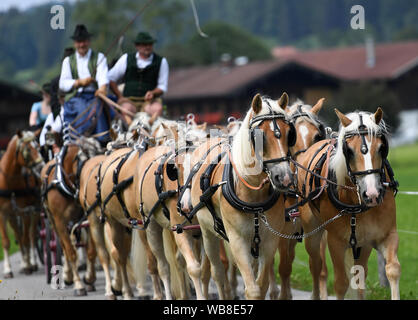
[90, 276]
[337, 251]
[362, 261]
[287, 255]
[7, 269]
[97, 233]
[152, 267]
[312, 245]
[240, 250]
[25, 246]
[70, 254]
[155, 241]
[35, 216]
[389, 249]
[120, 255]
[185, 244]
[68, 273]
[323, 276]
[205, 275]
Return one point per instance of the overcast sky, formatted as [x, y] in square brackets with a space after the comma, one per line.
[25, 4]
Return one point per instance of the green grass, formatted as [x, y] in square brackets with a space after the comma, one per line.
[404, 161]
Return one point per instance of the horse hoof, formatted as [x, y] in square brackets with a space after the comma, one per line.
[80, 292]
[111, 297]
[68, 283]
[237, 298]
[90, 287]
[34, 268]
[146, 297]
[8, 275]
[26, 271]
[116, 292]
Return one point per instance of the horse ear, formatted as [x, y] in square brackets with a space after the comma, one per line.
[203, 126]
[316, 108]
[19, 133]
[283, 101]
[164, 126]
[153, 118]
[257, 103]
[344, 120]
[378, 116]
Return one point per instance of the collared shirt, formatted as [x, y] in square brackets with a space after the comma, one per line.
[66, 79]
[119, 69]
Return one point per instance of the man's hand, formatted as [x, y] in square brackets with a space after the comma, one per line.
[149, 96]
[83, 82]
[102, 90]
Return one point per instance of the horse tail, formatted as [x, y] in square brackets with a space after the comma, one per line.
[138, 261]
[176, 276]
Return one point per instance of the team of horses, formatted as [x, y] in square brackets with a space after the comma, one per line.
[185, 203]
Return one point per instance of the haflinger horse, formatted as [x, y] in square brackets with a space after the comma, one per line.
[241, 189]
[17, 191]
[118, 206]
[163, 168]
[309, 130]
[60, 184]
[90, 201]
[349, 187]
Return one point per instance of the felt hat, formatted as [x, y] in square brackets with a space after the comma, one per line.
[144, 38]
[81, 33]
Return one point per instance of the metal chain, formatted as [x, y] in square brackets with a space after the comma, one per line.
[305, 235]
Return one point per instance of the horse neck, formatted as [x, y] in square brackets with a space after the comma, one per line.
[8, 163]
[68, 162]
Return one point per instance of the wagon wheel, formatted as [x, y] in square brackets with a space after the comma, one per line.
[40, 229]
[48, 251]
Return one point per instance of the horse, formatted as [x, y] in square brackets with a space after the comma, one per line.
[348, 192]
[309, 130]
[90, 202]
[158, 206]
[18, 189]
[60, 182]
[225, 215]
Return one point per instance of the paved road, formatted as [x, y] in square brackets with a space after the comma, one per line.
[34, 287]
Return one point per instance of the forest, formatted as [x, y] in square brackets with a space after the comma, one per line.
[31, 50]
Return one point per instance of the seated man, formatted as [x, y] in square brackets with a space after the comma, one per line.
[84, 73]
[145, 74]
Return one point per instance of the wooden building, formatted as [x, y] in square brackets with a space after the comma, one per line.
[215, 92]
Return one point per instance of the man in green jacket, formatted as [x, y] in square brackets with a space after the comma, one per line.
[145, 74]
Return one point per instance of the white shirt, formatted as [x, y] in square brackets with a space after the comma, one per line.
[66, 79]
[119, 69]
[56, 125]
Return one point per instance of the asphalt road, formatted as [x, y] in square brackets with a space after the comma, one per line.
[34, 287]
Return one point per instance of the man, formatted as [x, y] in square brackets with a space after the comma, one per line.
[84, 74]
[145, 74]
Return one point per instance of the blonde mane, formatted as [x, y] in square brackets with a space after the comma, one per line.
[293, 110]
[338, 161]
[241, 150]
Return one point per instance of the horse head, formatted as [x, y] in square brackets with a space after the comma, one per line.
[28, 152]
[263, 142]
[309, 129]
[362, 149]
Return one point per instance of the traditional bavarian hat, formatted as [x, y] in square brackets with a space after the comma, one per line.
[144, 38]
[81, 33]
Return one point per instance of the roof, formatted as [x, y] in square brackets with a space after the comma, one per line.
[204, 81]
[392, 60]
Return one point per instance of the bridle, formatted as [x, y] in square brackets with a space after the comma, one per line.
[22, 147]
[272, 115]
[362, 131]
[319, 125]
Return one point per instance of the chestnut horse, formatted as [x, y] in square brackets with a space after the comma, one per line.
[309, 129]
[60, 181]
[357, 205]
[16, 190]
[252, 179]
